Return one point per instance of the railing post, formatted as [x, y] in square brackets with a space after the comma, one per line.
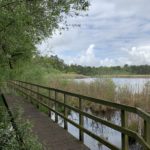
[81, 121]
[56, 116]
[65, 113]
[27, 91]
[15, 86]
[37, 104]
[30, 93]
[124, 137]
[18, 86]
[49, 111]
[12, 86]
[147, 131]
[22, 87]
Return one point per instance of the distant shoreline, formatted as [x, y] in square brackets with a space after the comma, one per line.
[80, 76]
[122, 76]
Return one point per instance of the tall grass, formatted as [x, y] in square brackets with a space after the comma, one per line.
[139, 99]
[106, 89]
[100, 88]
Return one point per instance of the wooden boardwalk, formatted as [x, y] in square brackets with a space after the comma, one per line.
[50, 134]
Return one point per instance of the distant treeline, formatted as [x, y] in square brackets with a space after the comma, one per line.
[114, 70]
[59, 64]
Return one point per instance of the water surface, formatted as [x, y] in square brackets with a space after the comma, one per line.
[134, 84]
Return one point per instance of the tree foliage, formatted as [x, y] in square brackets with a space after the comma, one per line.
[23, 23]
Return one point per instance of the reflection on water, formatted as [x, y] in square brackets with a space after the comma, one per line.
[97, 128]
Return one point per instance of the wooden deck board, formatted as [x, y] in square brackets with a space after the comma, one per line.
[50, 134]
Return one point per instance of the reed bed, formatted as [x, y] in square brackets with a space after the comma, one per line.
[105, 88]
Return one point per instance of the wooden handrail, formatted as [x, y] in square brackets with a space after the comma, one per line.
[27, 89]
[136, 110]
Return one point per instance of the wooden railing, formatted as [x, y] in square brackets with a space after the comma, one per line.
[45, 96]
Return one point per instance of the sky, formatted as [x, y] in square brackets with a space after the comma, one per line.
[115, 32]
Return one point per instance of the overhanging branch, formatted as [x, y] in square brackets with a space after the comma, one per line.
[10, 3]
[9, 24]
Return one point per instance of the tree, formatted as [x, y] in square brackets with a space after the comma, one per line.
[23, 23]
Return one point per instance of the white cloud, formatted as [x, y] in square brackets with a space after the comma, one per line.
[111, 26]
[139, 55]
[86, 58]
[134, 56]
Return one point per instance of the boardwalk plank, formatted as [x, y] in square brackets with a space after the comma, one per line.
[51, 135]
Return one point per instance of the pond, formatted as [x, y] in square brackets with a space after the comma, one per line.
[114, 137]
[99, 129]
[134, 84]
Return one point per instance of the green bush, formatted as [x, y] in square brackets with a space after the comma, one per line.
[8, 139]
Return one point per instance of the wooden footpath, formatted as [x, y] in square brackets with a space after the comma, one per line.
[55, 137]
[49, 133]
